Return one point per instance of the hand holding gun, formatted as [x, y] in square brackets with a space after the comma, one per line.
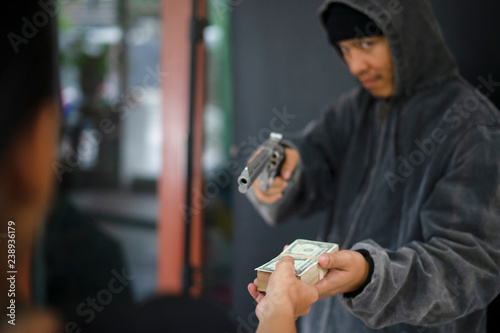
[265, 166]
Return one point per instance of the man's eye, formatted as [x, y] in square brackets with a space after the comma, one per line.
[344, 49]
[366, 44]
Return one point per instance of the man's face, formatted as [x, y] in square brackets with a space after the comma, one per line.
[369, 60]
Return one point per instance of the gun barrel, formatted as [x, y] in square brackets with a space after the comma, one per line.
[253, 169]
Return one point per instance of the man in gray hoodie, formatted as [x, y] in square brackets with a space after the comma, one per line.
[407, 165]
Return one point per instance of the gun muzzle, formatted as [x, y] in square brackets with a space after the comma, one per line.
[252, 171]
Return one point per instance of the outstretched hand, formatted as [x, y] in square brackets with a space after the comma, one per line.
[348, 271]
[285, 295]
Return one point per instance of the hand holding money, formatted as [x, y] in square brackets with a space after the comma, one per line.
[306, 255]
[286, 299]
[348, 272]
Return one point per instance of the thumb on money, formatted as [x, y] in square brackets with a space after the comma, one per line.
[348, 271]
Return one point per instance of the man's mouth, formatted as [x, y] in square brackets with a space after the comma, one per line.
[369, 83]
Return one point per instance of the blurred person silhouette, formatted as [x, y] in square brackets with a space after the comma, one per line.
[29, 121]
[78, 258]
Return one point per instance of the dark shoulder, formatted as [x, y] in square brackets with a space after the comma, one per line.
[454, 110]
[456, 106]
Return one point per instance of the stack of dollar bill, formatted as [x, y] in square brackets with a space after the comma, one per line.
[305, 253]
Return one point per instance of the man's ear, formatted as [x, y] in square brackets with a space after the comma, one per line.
[27, 172]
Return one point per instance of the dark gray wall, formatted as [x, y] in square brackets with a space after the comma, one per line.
[471, 29]
[281, 58]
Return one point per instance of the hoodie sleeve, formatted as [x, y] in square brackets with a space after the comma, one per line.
[456, 269]
[321, 146]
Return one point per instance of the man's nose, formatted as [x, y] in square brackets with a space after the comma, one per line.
[357, 63]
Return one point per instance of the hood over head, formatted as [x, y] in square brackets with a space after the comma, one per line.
[420, 56]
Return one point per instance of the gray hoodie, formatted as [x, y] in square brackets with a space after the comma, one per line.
[415, 180]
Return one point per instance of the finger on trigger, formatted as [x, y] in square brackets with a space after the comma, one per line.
[291, 158]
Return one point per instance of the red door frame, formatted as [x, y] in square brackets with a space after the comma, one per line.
[175, 60]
